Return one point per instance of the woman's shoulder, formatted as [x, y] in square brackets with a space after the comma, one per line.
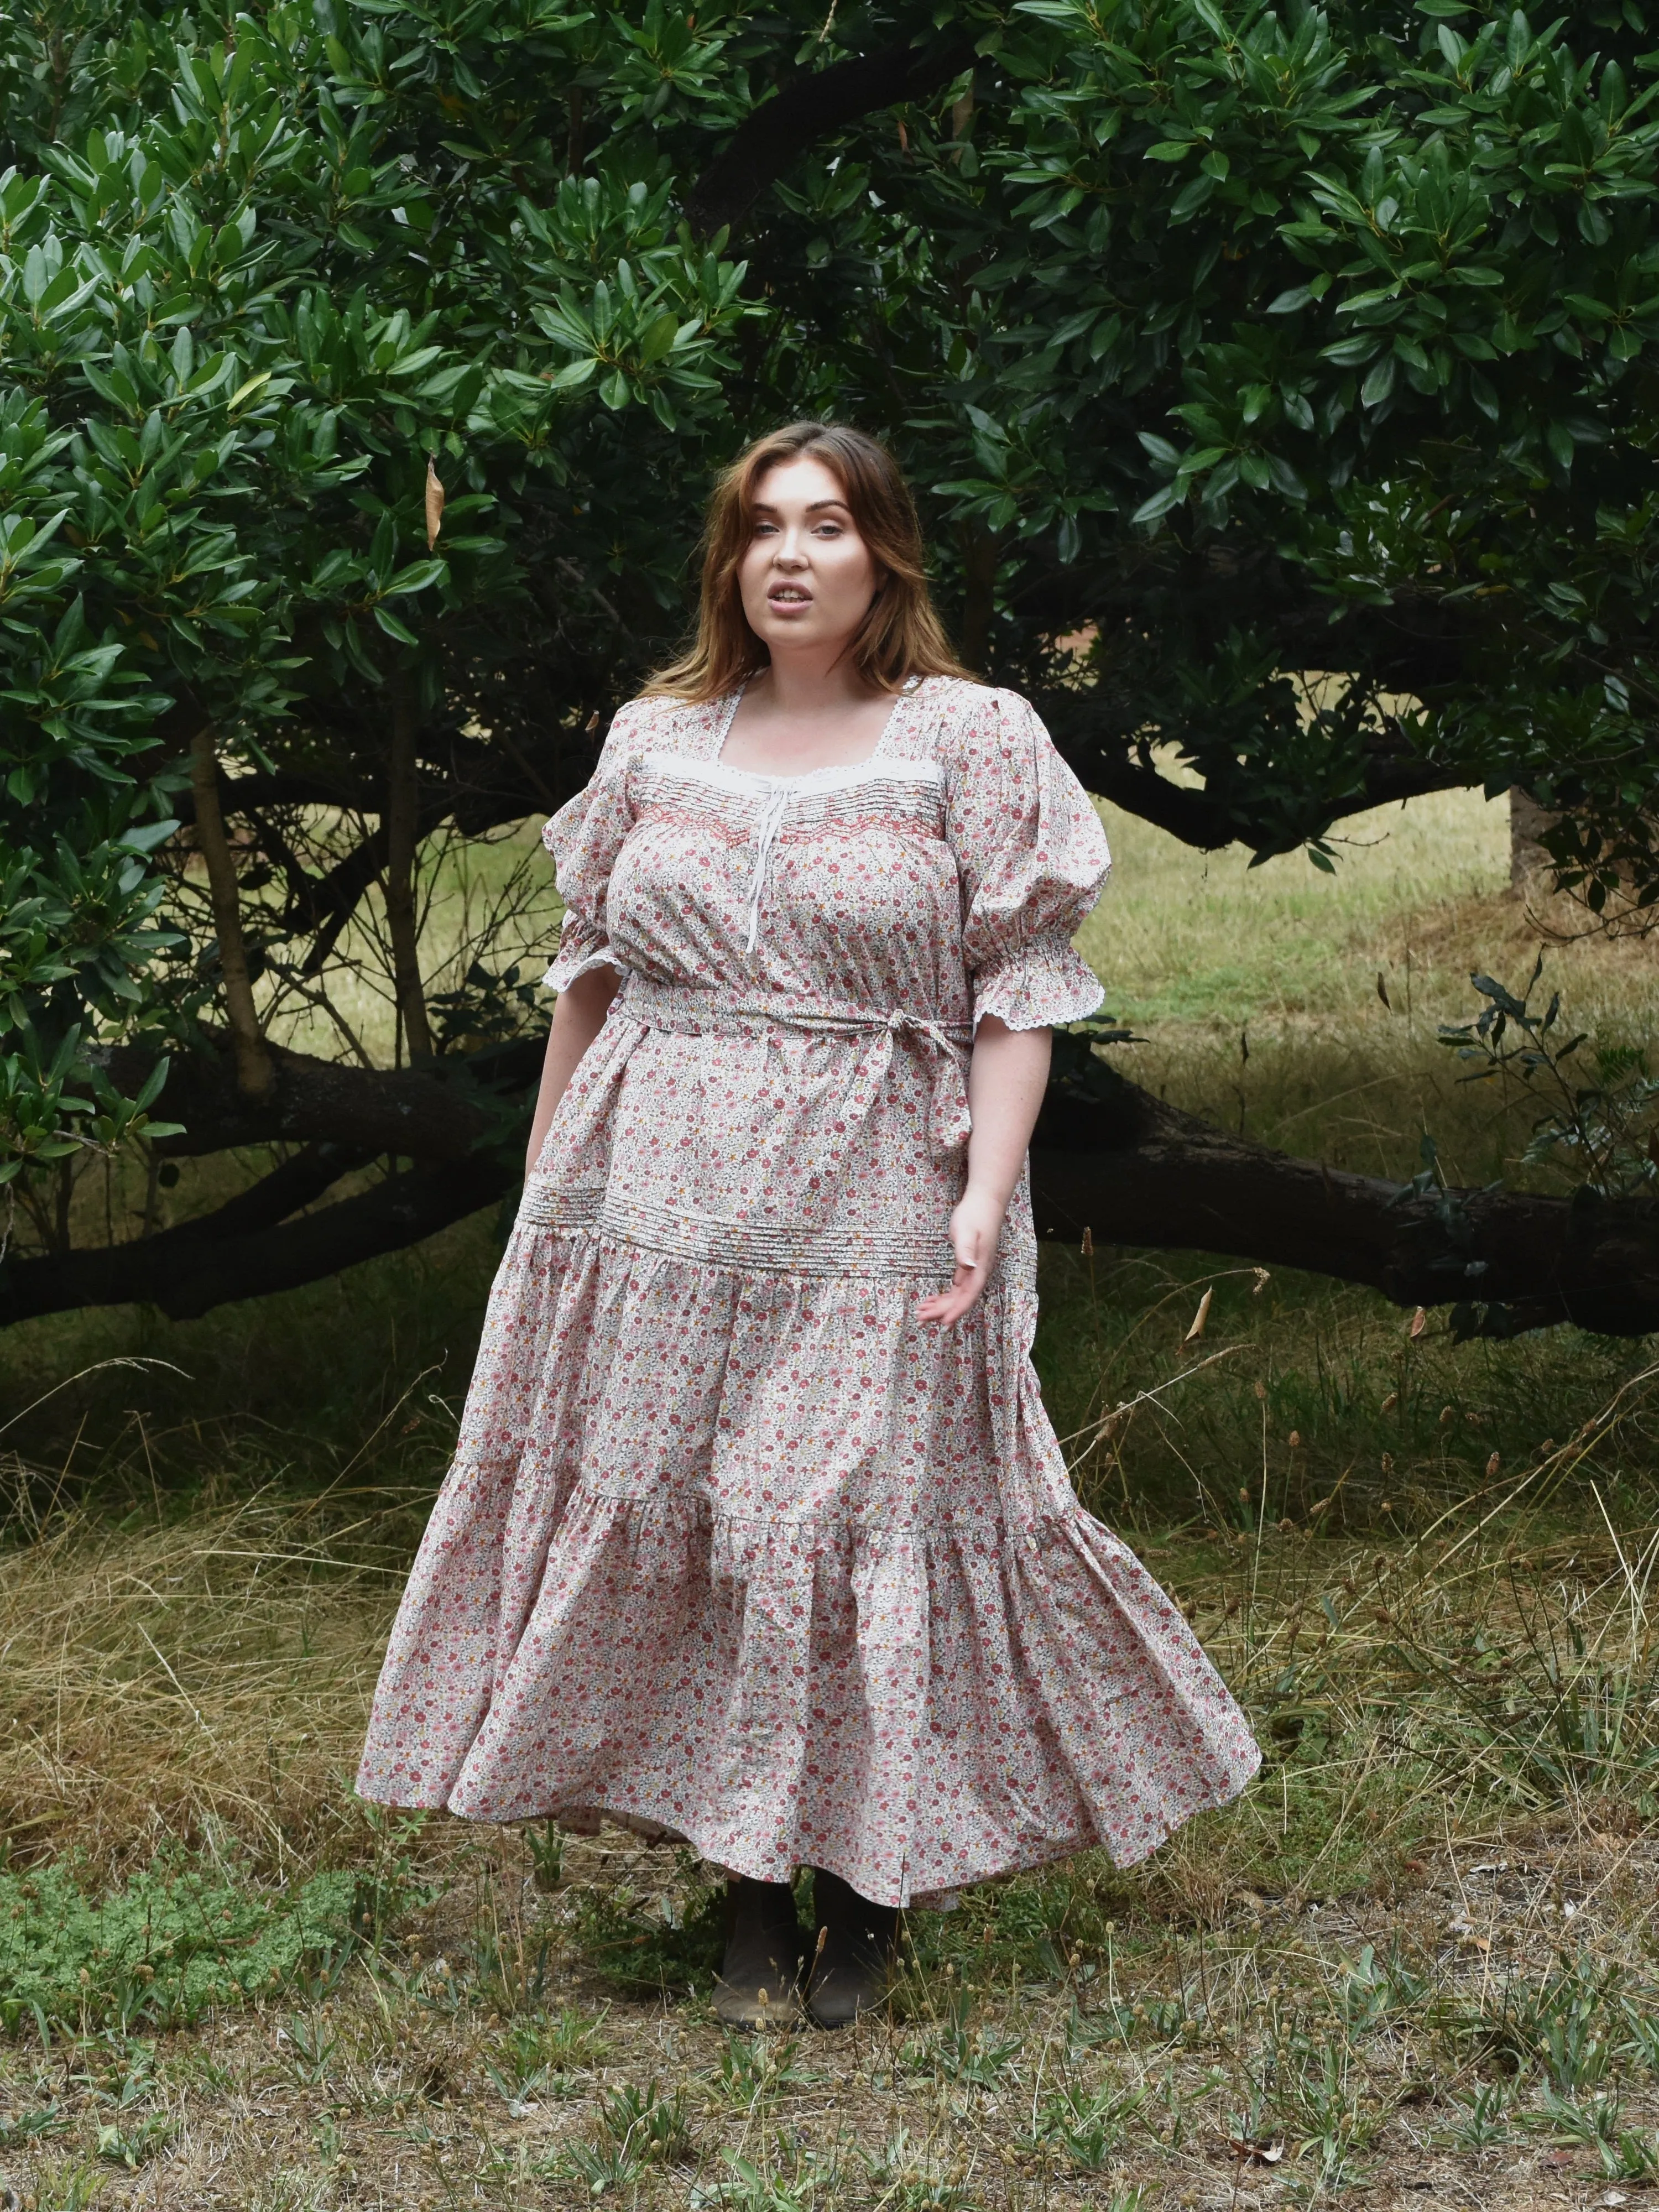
[963, 716]
[656, 722]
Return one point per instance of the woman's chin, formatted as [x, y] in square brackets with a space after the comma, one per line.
[794, 632]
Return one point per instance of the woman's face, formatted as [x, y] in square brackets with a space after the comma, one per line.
[806, 576]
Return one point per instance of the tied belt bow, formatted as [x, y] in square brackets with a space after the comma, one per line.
[695, 1013]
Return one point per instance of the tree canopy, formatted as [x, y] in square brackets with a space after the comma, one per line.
[1277, 383]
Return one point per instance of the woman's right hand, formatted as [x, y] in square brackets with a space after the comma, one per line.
[975, 1229]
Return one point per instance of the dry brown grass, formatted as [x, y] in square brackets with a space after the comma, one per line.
[395, 2095]
[195, 1679]
[1457, 1817]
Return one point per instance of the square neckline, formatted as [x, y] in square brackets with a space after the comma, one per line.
[762, 781]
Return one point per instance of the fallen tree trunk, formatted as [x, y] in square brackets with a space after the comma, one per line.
[1106, 1157]
[1135, 1170]
[442, 1111]
[220, 1258]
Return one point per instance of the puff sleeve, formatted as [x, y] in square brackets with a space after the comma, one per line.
[584, 838]
[1032, 859]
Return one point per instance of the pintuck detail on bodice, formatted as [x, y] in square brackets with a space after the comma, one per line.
[733, 1546]
[954, 865]
[842, 932]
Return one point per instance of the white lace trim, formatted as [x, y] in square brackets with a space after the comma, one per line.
[878, 768]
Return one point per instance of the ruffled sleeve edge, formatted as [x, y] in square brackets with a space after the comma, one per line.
[583, 946]
[576, 959]
[1038, 985]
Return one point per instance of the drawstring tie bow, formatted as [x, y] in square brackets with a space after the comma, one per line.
[766, 835]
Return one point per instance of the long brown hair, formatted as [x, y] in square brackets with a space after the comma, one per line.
[900, 636]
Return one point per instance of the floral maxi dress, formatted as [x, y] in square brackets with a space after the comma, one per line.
[734, 1547]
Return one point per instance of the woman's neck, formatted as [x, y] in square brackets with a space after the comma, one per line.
[811, 720]
[813, 685]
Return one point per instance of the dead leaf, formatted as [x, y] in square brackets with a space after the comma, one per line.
[1382, 990]
[434, 504]
[1199, 1319]
[1419, 1322]
[1255, 2153]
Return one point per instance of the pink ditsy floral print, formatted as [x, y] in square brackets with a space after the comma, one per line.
[733, 1548]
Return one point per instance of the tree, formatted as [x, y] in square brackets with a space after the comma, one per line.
[364, 368]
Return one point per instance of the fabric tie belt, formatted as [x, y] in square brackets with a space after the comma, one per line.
[689, 1012]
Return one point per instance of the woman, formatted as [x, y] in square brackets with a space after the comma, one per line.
[757, 1535]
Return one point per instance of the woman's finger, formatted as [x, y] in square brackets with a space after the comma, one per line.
[948, 1306]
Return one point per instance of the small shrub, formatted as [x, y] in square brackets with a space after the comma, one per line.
[647, 2123]
[136, 2142]
[1088, 2125]
[162, 1948]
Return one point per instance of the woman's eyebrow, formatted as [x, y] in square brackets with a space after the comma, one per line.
[813, 506]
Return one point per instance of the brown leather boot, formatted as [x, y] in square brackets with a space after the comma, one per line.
[758, 1982]
[852, 1960]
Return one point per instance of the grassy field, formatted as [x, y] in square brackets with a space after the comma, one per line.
[1416, 1964]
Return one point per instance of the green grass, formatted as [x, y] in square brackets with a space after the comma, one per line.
[1208, 939]
[1419, 1954]
[1319, 1392]
[1258, 987]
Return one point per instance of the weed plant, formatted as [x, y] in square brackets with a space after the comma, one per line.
[169, 1943]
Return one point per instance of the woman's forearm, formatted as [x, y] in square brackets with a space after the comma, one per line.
[578, 1018]
[1005, 1082]
[1006, 1078]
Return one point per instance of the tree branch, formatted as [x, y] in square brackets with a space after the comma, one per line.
[189, 1270]
[297, 1183]
[401, 820]
[1190, 812]
[440, 1112]
[331, 898]
[1135, 1171]
[810, 106]
[258, 787]
[252, 1060]
[1106, 1156]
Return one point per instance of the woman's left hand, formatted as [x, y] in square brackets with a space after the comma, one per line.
[975, 1225]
